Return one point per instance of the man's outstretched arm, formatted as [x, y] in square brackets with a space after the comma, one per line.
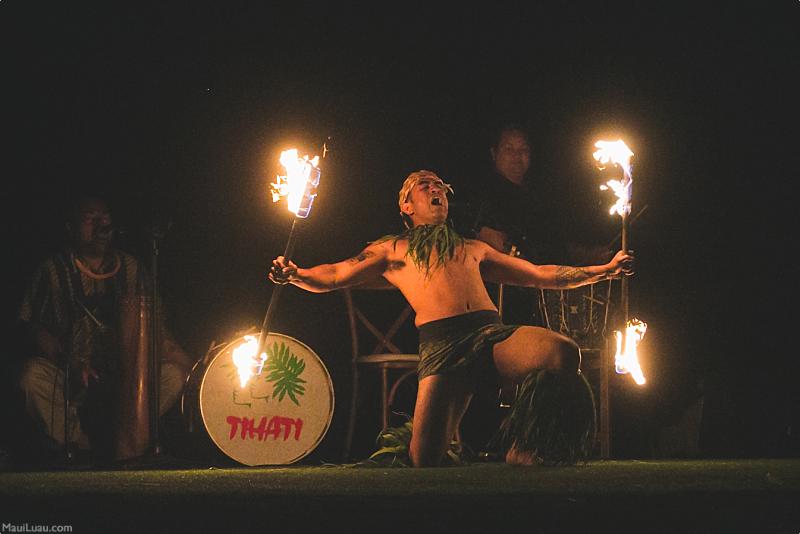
[366, 267]
[505, 269]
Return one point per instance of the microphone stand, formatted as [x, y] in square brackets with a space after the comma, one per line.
[156, 235]
[68, 454]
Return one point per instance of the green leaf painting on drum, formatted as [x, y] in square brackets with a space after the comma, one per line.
[284, 370]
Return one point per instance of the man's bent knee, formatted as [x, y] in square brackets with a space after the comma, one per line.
[37, 374]
[173, 378]
[568, 356]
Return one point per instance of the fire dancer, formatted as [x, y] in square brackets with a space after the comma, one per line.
[462, 340]
[77, 313]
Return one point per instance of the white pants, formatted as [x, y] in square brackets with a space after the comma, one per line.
[42, 383]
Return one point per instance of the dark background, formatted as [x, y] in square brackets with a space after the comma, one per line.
[177, 112]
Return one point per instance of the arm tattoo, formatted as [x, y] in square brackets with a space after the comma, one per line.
[361, 257]
[570, 275]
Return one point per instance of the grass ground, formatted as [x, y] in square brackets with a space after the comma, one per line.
[601, 496]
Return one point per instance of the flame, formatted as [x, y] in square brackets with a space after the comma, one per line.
[626, 359]
[623, 192]
[245, 359]
[617, 153]
[299, 186]
[614, 152]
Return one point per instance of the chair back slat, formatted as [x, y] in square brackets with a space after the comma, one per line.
[386, 338]
[351, 321]
[385, 341]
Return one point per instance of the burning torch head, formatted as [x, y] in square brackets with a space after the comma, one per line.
[309, 193]
[299, 186]
[616, 153]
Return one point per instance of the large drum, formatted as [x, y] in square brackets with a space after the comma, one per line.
[278, 417]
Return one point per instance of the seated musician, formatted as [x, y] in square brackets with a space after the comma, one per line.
[513, 214]
[85, 318]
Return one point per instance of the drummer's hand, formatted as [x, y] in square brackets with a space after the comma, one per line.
[621, 263]
[81, 373]
[88, 373]
[281, 273]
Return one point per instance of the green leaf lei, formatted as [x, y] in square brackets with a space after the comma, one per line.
[425, 239]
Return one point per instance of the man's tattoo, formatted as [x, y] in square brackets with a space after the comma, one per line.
[570, 275]
[361, 257]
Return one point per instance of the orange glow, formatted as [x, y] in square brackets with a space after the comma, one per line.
[299, 186]
[616, 153]
[627, 359]
[245, 359]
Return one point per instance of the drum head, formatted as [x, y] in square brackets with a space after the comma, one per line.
[280, 415]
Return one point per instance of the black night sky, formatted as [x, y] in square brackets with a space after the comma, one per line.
[177, 111]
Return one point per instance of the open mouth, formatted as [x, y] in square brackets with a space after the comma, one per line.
[436, 201]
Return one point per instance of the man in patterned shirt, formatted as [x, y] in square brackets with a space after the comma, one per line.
[86, 312]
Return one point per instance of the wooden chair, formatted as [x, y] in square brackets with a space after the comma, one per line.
[583, 314]
[598, 364]
[392, 364]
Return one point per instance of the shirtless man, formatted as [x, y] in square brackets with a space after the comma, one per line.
[461, 337]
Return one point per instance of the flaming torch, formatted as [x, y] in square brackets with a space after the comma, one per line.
[299, 187]
[245, 359]
[618, 153]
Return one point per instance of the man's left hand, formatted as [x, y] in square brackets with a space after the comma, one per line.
[621, 263]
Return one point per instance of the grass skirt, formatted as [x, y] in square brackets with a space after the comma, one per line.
[553, 417]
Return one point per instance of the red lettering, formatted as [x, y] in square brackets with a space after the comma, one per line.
[234, 422]
[298, 426]
[274, 428]
[286, 423]
[247, 427]
[266, 428]
[262, 429]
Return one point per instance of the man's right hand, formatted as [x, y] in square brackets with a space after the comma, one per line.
[282, 272]
[88, 373]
